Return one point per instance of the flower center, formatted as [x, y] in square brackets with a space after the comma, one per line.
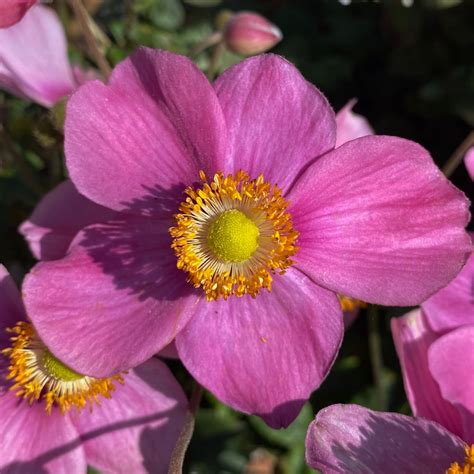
[350, 304]
[233, 237]
[468, 467]
[39, 375]
[233, 234]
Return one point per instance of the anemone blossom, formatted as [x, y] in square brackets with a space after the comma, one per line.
[55, 420]
[33, 59]
[237, 224]
[350, 439]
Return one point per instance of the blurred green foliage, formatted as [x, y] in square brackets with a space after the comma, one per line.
[412, 70]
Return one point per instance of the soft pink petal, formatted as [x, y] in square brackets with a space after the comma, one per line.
[469, 162]
[451, 361]
[35, 53]
[148, 132]
[12, 11]
[277, 121]
[265, 355]
[136, 430]
[33, 442]
[58, 217]
[379, 222]
[352, 439]
[11, 306]
[350, 125]
[170, 351]
[453, 305]
[413, 338]
[117, 294]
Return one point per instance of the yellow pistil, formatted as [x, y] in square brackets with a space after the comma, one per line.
[233, 234]
[350, 304]
[468, 467]
[39, 375]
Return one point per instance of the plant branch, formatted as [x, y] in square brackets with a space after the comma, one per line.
[458, 155]
[376, 359]
[84, 20]
[179, 451]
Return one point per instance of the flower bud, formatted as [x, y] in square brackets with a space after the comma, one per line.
[12, 11]
[249, 33]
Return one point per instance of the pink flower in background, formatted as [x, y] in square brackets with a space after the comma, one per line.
[33, 59]
[469, 162]
[141, 421]
[249, 33]
[384, 226]
[435, 345]
[352, 439]
[12, 11]
[351, 125]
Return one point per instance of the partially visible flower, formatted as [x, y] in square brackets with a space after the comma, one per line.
[435, 347]
[350, 439]
[365, 214]
[248, 33]
[351, 125]
[469, 162]
[54, 419]
[33, 59]
[12, 11]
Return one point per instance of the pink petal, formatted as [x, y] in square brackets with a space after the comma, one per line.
[11, 306]
[413, 338]
[117, 294]
[34, 442]
[170, 351]
[147, 133]
[136, 430]
[58, 217]
[453, 305]
[451, 361]
[352, 439]
[379, 222]
[12, 11]
[350, 125]
[34, 51]
[277, 121]
[265, 355]
[469, 162]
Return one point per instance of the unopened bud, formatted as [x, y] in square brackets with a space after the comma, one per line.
[249, 33]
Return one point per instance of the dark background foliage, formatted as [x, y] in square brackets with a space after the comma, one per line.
[411, 69]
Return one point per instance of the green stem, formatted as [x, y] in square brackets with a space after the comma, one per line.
[376, 358]
[458, 155]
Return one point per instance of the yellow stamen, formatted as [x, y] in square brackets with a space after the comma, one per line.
[350, 304]
[39, 375]
[233, 234]
[468, 467]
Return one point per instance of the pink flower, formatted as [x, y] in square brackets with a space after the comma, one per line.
[353, 439]
[469, 162]
[133, 431]
[12, 11]
[249, 33]
[374, 220]
[350, 125]
[33, 58]
[435, 347]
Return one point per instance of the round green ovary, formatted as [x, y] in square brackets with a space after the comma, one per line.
[233, 237]
[58, 370]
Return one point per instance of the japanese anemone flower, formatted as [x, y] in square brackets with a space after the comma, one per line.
[33, 59]
[350, 439]
[435, 345]
[236, 225]
[56, 420]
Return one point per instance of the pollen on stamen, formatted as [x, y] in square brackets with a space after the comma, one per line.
[468, 467]
[233, 234]
[37, 375]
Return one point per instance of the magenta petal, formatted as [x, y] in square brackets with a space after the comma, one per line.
[136, 430]
[265, 355]
[352, 439]
[451, 361]
[277, 121]
[33, 442]
[117, 295]
[12, 11]
[58, 217]
[11, 306]
[151, 129]
[350, 125]
[453, 306]
[34, 51]
[413, 338]
[469, 162]
[379, 222]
